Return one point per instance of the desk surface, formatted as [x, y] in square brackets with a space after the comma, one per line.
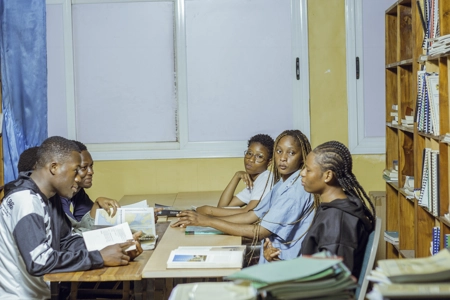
[197, 198]
[130, 272]
[175, 237]
[164, 199]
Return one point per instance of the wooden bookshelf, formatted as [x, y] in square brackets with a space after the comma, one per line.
[404, 58]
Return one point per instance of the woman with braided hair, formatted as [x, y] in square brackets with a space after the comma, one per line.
[345, 216]
[284, 215]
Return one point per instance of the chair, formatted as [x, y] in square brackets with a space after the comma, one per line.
[369, 259]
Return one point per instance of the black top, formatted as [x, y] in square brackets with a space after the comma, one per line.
[341, 227]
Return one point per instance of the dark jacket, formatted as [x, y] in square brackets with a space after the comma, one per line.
[341, 227]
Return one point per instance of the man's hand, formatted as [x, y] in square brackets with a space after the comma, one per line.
[135, 253]
[109, 205]
[189, 217]
[271, 253]
[116, 255]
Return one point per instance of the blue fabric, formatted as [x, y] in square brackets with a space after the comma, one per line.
[23, 52]
[81, 205]
[280, 210]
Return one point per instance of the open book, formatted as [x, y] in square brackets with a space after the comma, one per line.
[139, 219]
[207, 257]
[100, 238]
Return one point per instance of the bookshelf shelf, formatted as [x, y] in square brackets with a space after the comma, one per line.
[404, 57]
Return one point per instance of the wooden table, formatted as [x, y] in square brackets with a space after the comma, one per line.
[164, 199]
[175, 237]
[197, 198]
[131, 272]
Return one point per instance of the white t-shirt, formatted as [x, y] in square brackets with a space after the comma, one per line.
[260, 189]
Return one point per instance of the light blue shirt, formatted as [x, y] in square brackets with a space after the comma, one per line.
[280, 212]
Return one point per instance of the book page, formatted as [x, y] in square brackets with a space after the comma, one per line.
[140, 204]
[100, 238]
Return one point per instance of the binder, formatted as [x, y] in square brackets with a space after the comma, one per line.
[435, 182]
[436, 240]
[424, 199]
[432, 84]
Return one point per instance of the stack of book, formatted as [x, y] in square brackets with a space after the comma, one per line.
[391, 237]
[306, 277]
[408, 121]
[441, 45]
[408, 187]
[394, 114]
[390, 175]
[300, 278]
[426, 277]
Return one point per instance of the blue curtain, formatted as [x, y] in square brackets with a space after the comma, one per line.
[23, 51]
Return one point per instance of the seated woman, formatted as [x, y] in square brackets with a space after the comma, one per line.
[343, 220]
[256, 177]
[284, 215]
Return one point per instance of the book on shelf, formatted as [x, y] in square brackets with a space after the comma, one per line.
[100, 238]
[207, 257]
[435, 268]
[391, 237]
[390, 175]
[436, 240]
[446, 241]
[425, 190]
[200, 230]
[433, 98]
[435, 199]
[138, 218]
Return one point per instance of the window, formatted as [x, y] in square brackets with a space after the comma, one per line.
[176, 79]
[366, 95]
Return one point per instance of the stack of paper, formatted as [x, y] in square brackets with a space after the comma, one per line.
[426, 277]
[300, 278]
[391, 237]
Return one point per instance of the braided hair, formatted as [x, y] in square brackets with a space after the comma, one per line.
[305, 148]
[336, 157]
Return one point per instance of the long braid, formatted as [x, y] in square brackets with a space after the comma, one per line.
[336, 157]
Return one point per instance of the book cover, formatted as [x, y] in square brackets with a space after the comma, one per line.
[171, 211]
[195, 230]
[207, 257]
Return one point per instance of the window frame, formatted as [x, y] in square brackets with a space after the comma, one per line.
[183, 148]
[358, 142]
